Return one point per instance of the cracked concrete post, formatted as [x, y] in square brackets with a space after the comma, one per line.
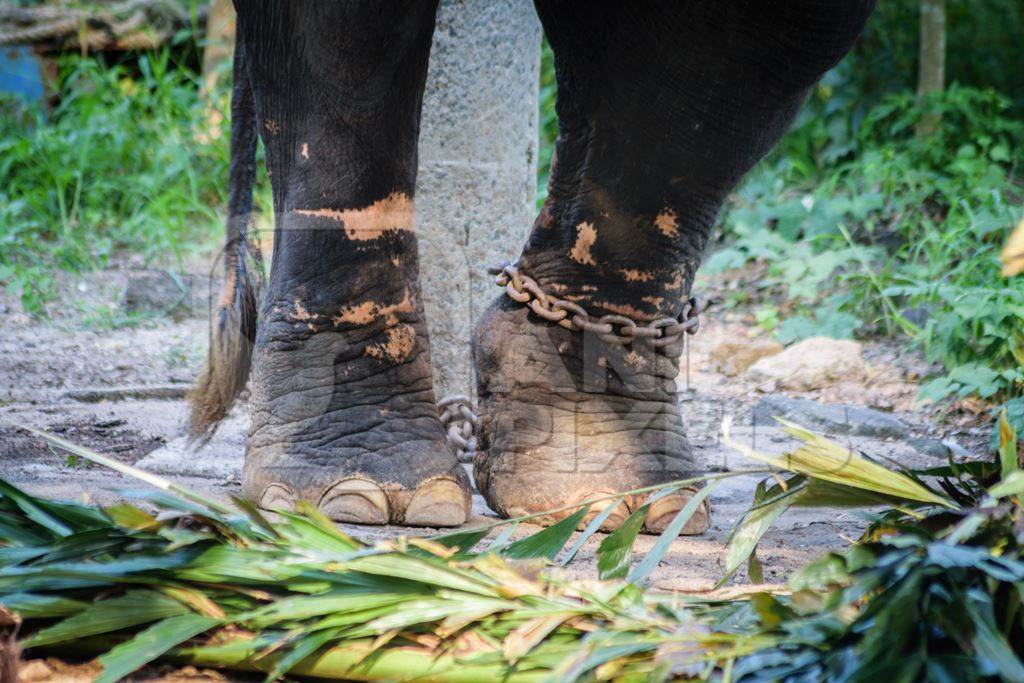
[477, 168]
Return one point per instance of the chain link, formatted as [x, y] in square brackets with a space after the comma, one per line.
[457, 413]
[459, 420]
[612, 328]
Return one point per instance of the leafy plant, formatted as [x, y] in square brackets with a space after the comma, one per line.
[902, 237]
[128, 160]
[920, 597]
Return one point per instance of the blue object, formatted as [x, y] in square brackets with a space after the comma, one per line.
[21, 72]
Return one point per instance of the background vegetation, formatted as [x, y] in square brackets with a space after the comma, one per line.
[854, 227]
[116, 166]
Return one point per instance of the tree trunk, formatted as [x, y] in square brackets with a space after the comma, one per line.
[931, 73]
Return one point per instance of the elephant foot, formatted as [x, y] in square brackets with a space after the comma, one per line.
[566, 417]
[359, 494]
[358, 438]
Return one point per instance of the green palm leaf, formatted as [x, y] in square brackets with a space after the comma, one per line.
[151, 643]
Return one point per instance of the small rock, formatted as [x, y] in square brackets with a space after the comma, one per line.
[917, 315]
[881, 403]
[915, 367]
[835, 418]
[736, 355]
[811, 364]
[157, 292]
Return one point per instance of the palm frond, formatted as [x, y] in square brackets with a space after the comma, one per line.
[939, 593]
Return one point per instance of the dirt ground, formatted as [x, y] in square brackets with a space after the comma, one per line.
[120, 390]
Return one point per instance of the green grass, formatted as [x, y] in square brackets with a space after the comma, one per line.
[126, 162]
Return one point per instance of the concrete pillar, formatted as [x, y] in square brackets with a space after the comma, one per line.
[477, 168]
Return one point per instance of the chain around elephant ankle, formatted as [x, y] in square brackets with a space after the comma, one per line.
[458, 417]
[457, 413]
[611, 328]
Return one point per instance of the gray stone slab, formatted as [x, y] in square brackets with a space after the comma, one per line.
[180, 458]
[837, 418]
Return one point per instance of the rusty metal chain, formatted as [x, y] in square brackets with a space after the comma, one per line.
[612, 328]
[458, 413]
[459, 419]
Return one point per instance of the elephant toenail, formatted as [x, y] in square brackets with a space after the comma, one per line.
[355, 501]
[277, 497]
[615, 518]
[663, 511]
[438, 503]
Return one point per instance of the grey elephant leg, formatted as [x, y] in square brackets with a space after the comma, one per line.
[663, 106]
[342, 402]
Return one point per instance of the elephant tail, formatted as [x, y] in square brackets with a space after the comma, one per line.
[233, 315]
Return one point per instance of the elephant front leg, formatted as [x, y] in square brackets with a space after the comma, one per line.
[662, 108]
[342, 402]
[588, 407]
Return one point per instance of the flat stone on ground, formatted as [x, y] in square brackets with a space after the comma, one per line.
[121, 393]
[155, 291]
[943, 449]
